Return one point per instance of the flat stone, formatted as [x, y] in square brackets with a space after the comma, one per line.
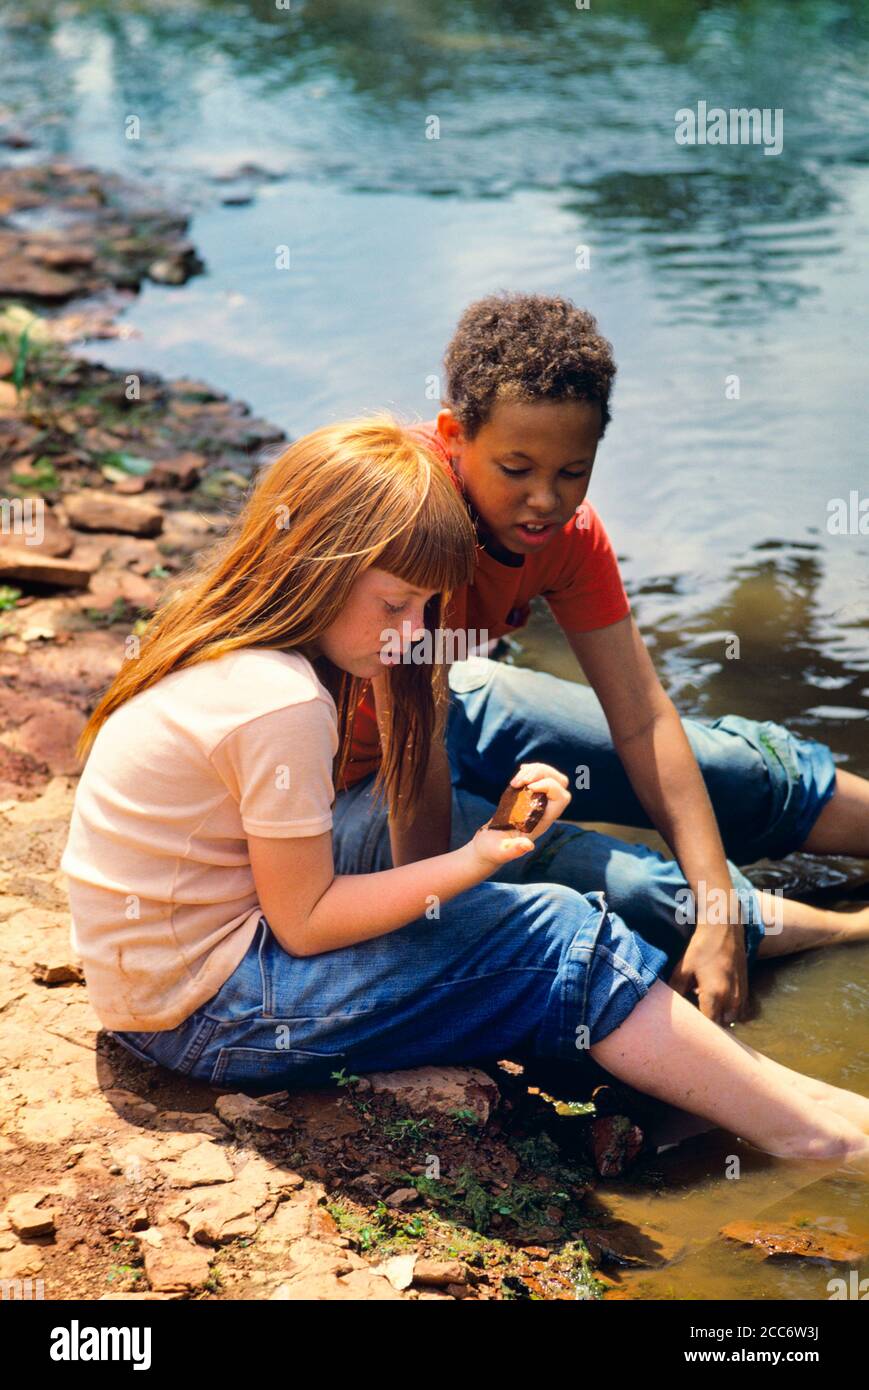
[20, 1263]
[291, 1221]
[25, 1217]
[800, 1241]
[442, 1090]
[19, 275]
[241, 1109]
[220, 1214]
[92, 510]
[181, 470]
[57, 972]
[147, 1297]
[216, 1214]
[402, 1197]
[46, 730]
[28, 566]
[176, 1264]
[198, 1167]
[358, 1285]
[398, 1269]
[440, 1273]
[132, 1107]
[192, 1122]
[321, 1271]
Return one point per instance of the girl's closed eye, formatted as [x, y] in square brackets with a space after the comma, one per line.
[393, 608]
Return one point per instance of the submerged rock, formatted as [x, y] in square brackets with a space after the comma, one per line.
[807, 1243]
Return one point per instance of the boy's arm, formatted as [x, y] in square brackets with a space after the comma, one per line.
[659, 761]
[426, 832]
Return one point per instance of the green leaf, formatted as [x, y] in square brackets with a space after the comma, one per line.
[8, 596]
[128, 463]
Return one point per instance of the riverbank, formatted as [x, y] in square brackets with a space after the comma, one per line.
[115, 1182]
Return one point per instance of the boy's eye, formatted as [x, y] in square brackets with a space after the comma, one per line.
[520, 472]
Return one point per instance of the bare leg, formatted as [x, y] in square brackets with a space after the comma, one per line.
[803, 927]
[843, 825]
[666, 1048]
[854, 1107]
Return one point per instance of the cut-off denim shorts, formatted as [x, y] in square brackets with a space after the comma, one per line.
[546, 957]
[536, 969]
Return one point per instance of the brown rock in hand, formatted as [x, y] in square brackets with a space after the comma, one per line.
[519, 809]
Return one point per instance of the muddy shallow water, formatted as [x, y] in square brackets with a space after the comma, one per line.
[556, 131]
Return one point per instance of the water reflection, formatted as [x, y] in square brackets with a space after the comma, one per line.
[528, 94]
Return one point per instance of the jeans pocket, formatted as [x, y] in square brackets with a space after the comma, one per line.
[137, 1043]
[272, 1067]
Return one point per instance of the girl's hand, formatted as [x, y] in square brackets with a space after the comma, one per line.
[497, 847]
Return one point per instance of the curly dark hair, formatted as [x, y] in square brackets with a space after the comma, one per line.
[528, 347]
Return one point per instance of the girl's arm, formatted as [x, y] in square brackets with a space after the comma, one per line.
[311, 910]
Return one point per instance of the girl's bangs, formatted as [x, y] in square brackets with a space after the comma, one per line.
[438, 556]
[437, 550]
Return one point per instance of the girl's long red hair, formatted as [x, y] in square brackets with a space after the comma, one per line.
[341, 499]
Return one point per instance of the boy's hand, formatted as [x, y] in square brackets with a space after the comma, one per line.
[498, 847]
[714, 968]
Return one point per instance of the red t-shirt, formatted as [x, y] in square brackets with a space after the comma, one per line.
[577, 573]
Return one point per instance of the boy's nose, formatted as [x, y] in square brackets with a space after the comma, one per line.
[543, 502]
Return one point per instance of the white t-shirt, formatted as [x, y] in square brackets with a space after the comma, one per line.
[161, 890]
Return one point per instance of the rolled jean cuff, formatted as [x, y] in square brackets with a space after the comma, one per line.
[749, 912]
[600, 982]
[802, 776]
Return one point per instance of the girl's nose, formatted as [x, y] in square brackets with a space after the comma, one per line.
[417, 626]
[412, 628]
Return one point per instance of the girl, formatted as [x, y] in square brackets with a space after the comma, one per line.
[217, 935]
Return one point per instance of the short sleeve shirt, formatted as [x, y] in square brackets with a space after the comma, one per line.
[161, 889]
[577, 573]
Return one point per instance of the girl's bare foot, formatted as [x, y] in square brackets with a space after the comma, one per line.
[666, 1048]
[849, 1104]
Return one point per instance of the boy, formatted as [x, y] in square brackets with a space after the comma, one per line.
[527, 402]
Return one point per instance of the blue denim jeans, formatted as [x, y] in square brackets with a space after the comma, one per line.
[767, 785]
[502, 969]
[546, 957]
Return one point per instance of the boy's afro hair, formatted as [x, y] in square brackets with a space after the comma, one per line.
[525, 347]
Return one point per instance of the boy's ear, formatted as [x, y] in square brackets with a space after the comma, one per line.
[448, 426]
